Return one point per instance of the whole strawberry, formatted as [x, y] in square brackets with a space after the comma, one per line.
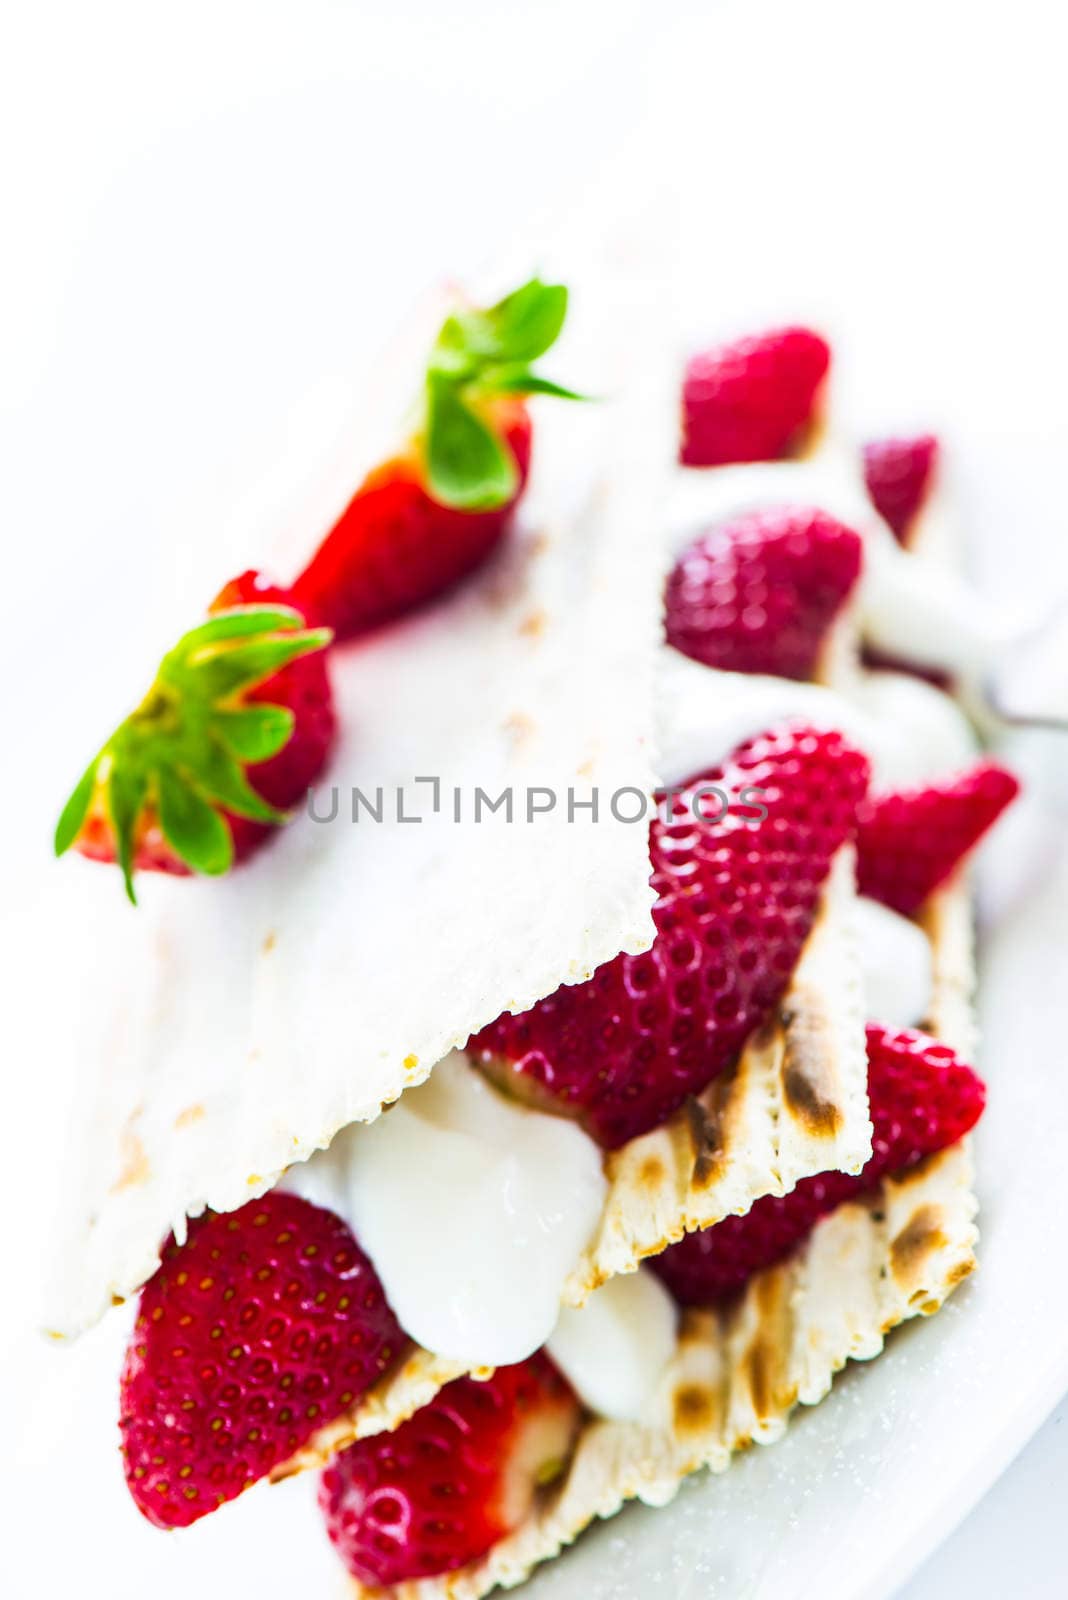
[426, 518]
[454, 1479]
[753, 399]
[910, 840]
[236, 726]
[267, 1323]
[899, 474]
[759, 593]
[736, 898]
[922, 1099]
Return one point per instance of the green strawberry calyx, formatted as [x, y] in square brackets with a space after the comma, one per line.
[181, 756]
[479, 353]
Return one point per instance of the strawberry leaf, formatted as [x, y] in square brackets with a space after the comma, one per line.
[255, 733]
[221, 779]
[126, 787]
[238, 623]
[192, 827]
[520, 380]
[479, 352]
[213, 673]
[526, 322]
[74, 812]
[468, 466]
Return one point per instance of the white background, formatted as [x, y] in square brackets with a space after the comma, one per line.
[212, 213]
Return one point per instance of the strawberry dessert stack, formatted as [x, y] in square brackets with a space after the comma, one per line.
[756, 594]
[271, 1335]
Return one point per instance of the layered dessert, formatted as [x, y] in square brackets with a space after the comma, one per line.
[666, 1117]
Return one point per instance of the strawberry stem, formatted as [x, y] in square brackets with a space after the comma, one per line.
[180, 757]
[481, 352]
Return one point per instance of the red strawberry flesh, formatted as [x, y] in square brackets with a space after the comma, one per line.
[898, 474]
[735, 902]
[394, 547]
[452, 1480]
[910, 841]
[758, 593]
[265, 1324]
[923, 1099]
[752, 399]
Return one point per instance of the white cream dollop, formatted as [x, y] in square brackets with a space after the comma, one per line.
[911, 731]
[472, 1208]
[895, 961]
[614, 1349]
[704, 713]
[923, 613]
[918, 733]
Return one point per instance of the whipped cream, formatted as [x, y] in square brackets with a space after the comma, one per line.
[702, 496]
[895, 962]
[911, 732]
[614, 1350]
[473, 1209]
[918, 732]
[920, 612]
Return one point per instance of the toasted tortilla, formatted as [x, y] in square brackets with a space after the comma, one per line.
[231, 1027]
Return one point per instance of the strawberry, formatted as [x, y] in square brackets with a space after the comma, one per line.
[923, 1099]
[303, 687]
[395, 547]
[910, 840]
[898, 473]
[265, 1324]
[237, 724]
[426, 518]
[758, 593]
[753, 399]
[452, 1480]
[736, 897]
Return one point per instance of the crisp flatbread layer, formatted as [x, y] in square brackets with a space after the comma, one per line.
[737, 1375]
[795, 1104]
[231, 1027]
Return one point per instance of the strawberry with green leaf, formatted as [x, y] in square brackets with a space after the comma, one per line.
[237, 724]
[432, 513]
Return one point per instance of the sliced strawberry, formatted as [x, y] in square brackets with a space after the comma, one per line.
[735, 902]
[899, 474]
[753, 399]
[910, 840]
[923, 1099]
[267, 1323]
[452, 1480]
[758, 593]
[429, 516]
[173, 788]
[395, 546]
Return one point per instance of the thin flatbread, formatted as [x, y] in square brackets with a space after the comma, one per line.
[231, 1027]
